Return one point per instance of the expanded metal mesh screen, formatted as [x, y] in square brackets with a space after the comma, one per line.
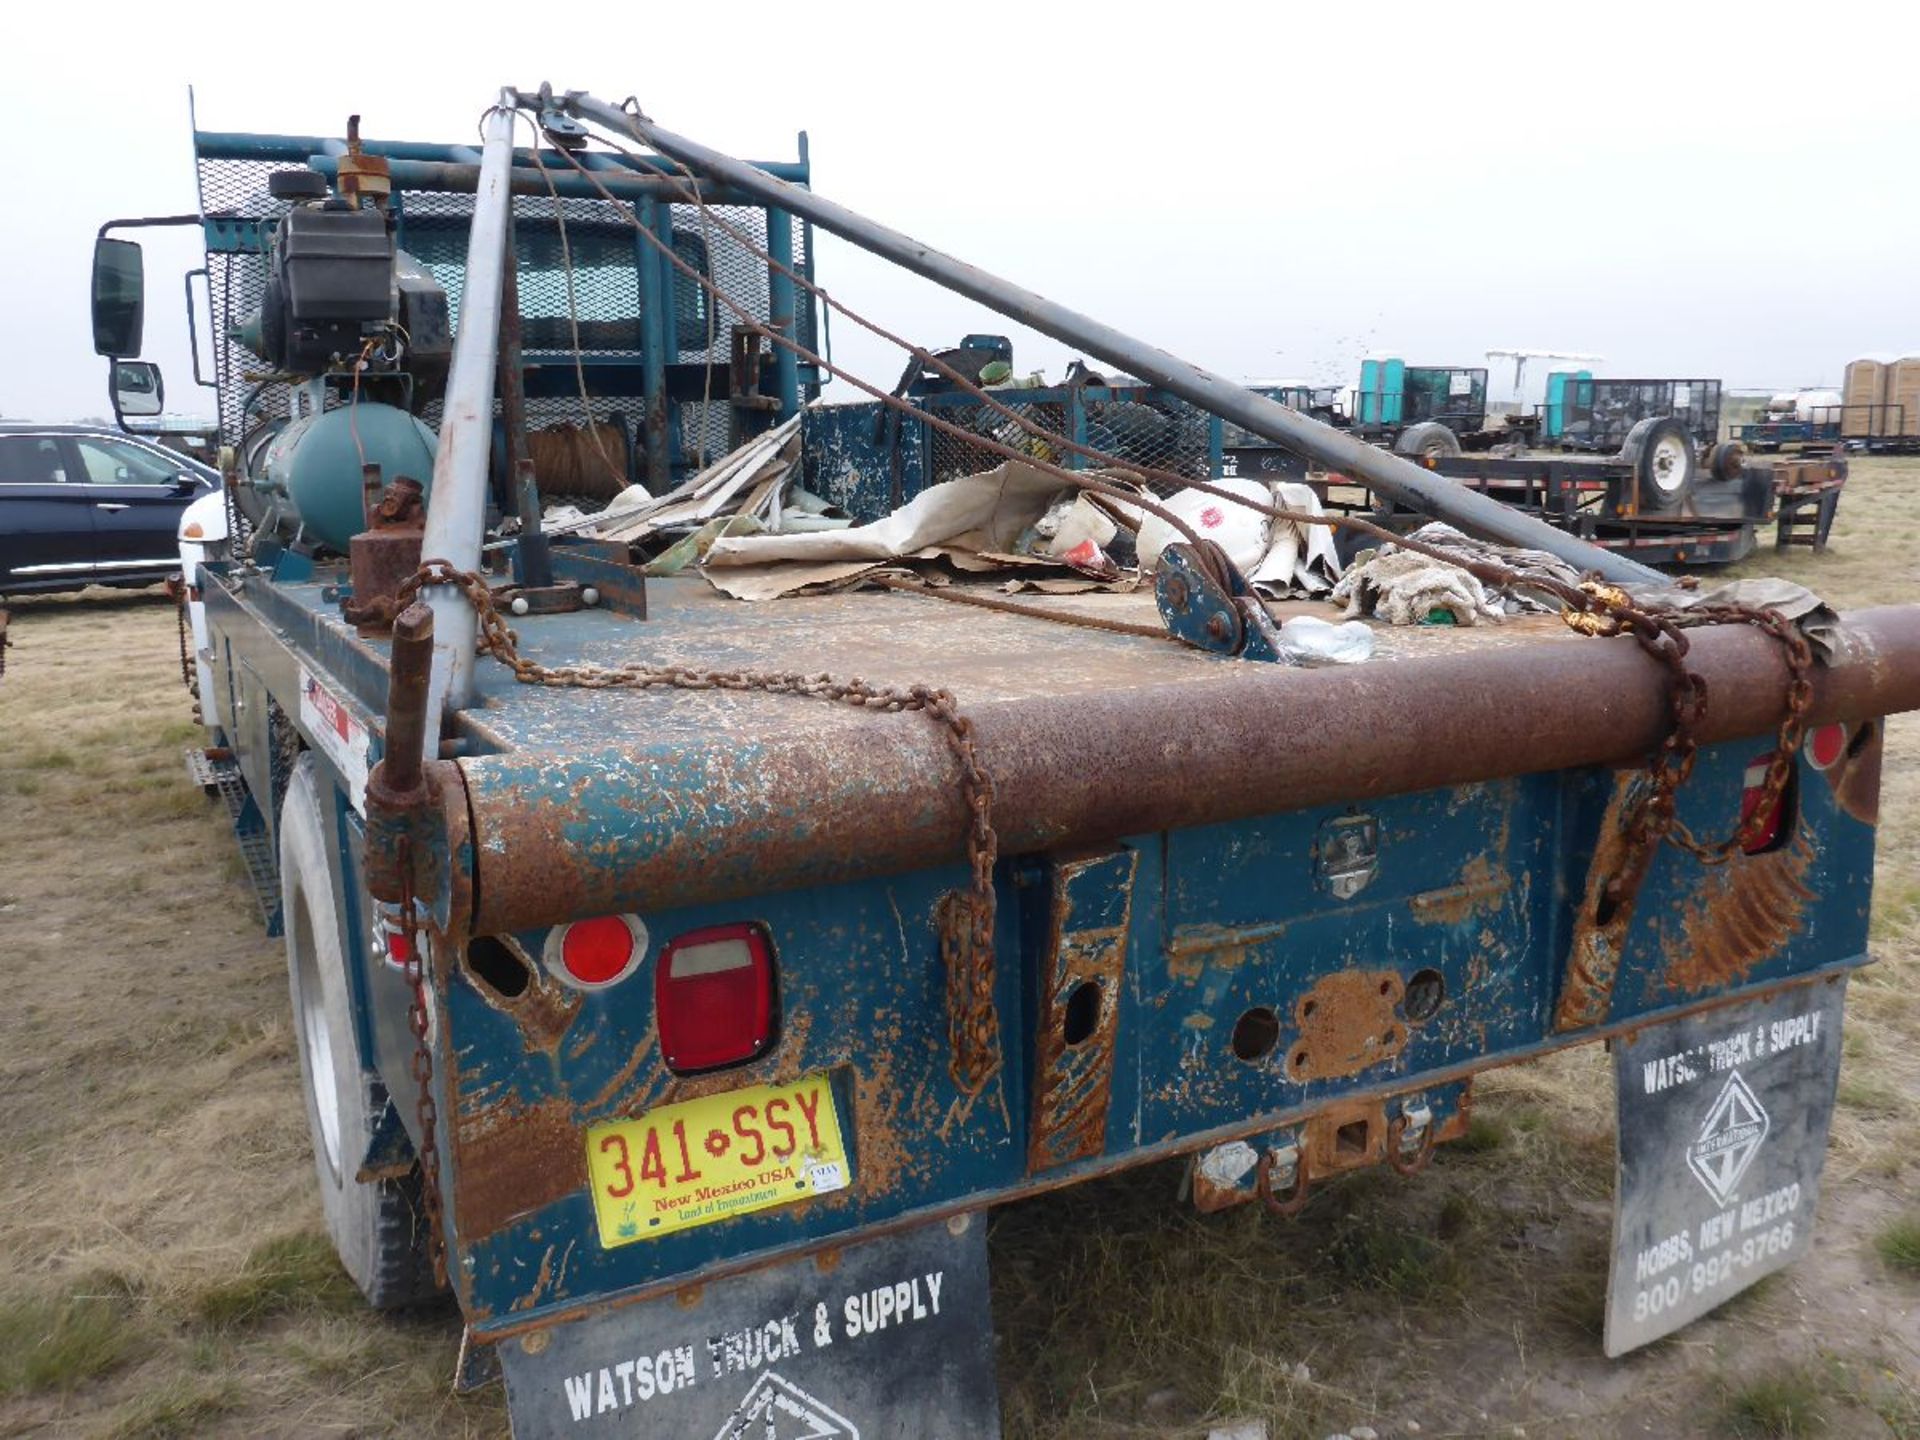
[1139, 427]
[239, 188]
[593, 239]
[950, 457]
[703, 327]
[1150, 428]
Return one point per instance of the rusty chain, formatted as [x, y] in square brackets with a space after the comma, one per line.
[965, 918]
[1661, 634]
[188, 677]
[426, 1109]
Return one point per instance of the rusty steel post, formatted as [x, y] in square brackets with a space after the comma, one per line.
[401, 773]
[399, 792]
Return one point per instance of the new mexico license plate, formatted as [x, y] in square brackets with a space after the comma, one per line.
[711, 1159]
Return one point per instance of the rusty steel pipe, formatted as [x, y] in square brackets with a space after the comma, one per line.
[407, 681]
[452, 177]
[1389, 475]
[457, 503]
[642, 827]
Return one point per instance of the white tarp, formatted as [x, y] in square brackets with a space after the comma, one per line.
[977, 523]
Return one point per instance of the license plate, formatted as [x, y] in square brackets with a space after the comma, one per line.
[1723, 1133]
[699, 1161]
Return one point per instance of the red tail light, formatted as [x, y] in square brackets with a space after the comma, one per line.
[593, 954]
[1768, 833]
[399, 951]
[713, 997]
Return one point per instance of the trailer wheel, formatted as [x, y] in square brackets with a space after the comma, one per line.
[1429, 440]
[1660, 454]
[1727, 460]
[378, 1228]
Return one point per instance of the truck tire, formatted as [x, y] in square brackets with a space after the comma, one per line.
[1429, 440]
[378, 1228]
[1660, 454]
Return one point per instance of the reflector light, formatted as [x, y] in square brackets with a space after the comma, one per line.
[398, 950]
[1766, 836]
[713, 997]
[597, 952]
[1826, 745]
[593, 954]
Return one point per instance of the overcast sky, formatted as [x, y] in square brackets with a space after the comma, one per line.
[1265, 190]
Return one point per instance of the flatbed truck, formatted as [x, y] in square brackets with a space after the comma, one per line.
[682, 1003]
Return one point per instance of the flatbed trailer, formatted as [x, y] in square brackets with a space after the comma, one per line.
[682, 1003]
[1863, 429]
[1597, 499]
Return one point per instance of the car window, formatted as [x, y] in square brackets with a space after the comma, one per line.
[31, 460]
[114, 462]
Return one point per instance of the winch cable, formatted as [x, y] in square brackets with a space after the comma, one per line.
[1005, 606]
[1079, 479]
[1590, 607]
[573, 309]
[1488, 572]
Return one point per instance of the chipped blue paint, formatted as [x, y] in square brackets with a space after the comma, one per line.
[1475, 882]
[1479, 882]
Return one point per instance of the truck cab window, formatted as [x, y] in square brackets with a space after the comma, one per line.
[30, 460]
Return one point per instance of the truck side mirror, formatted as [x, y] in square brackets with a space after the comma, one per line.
[119, 297]
[138, 389]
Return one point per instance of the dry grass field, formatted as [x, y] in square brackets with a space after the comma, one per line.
[163, 1273]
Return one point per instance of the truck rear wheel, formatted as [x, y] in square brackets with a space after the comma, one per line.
[378, 1228]
[1429, 440]
[1660, 451]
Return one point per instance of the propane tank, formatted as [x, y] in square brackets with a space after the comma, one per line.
[1808, 404]
[313, 467]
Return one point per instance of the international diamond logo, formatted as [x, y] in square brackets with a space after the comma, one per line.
[1730, 1137]
[777, 1409]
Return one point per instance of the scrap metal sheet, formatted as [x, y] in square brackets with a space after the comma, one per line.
[1723, 1121]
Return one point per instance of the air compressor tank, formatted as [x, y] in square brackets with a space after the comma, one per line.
[313, 467]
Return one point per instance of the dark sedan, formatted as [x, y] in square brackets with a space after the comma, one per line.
[86, 506]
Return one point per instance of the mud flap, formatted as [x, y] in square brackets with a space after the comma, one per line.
[1723, 1121]
[887, 1339]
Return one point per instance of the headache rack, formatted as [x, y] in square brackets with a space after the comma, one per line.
[614, 274]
